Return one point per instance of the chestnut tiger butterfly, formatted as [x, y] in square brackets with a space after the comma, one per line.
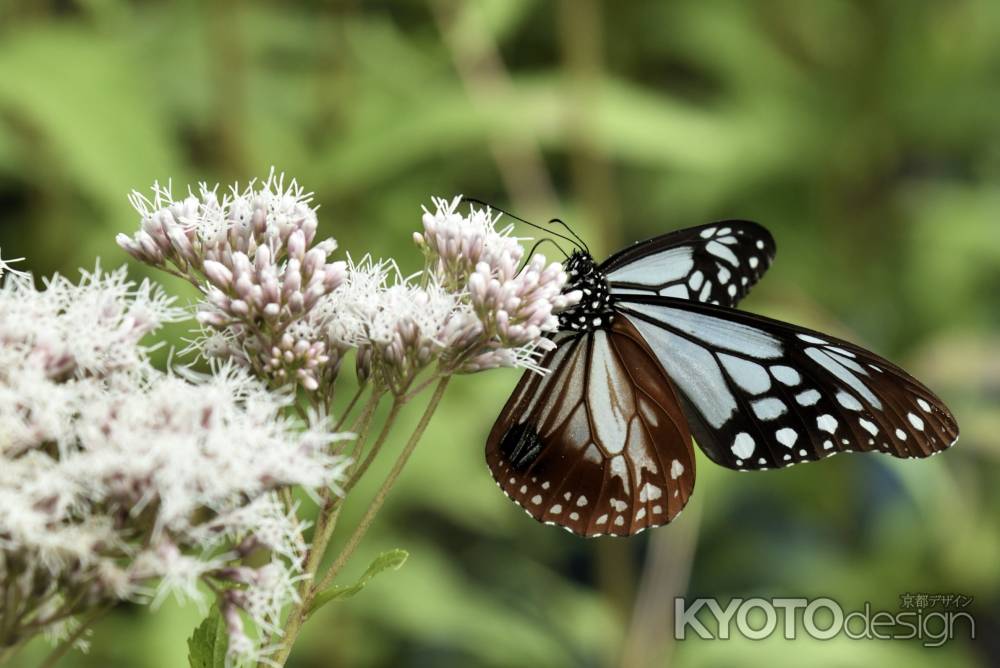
[656, 353]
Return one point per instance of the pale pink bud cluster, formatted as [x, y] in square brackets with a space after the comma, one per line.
[514, 307]
[455, 244]
[519, 307]
[255, 255]
[406, 333]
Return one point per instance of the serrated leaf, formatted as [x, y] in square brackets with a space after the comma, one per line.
[393, 559]
[207, 645]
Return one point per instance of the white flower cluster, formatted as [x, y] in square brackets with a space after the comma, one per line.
[474, 306]
[121, 482]
[282, 309]
[505, 309]
[252, 253]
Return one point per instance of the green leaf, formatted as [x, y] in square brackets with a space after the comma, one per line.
[207, 645]
[393, 559]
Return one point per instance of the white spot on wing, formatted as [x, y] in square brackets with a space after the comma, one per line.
[750, 376]
[786, 436]
[827, 423]
[786, 375]
[676, 469]
[807, 398]
[720, 251]
[848, 401]
[743, 445]
[650, 492]
[837, 368]
[915, 421]
[769, 408]
[620, 470]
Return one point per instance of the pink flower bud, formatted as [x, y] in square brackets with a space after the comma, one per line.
[218, 274]
[297, 245]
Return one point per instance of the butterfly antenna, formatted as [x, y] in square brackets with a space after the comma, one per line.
[580, 242]
[571, 240]
[531, 253]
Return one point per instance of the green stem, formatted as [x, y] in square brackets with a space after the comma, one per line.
[383, 491]
[324, 531]
[362, 467]
[350, 407]
[326, 520]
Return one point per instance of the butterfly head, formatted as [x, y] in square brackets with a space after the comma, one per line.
[594, 309]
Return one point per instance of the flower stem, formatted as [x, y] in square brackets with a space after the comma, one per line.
[383, 491]
[324, 529]
[350, 406]
[362, 466]
[326, 520]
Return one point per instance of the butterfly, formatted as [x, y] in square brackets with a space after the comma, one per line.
[655, 353]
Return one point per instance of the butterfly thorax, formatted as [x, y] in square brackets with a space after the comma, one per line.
[593, 311]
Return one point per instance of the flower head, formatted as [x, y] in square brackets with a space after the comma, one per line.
[254, 254]
[122, 482]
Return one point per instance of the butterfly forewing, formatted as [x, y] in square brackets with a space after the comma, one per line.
[600, 444]
[716, 263]
[760, 394]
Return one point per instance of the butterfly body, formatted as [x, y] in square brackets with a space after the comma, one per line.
[594, 308]
[655, 353]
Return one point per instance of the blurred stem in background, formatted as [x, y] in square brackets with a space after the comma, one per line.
[478, 63]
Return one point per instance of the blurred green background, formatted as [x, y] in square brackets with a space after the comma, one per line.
[865, 135]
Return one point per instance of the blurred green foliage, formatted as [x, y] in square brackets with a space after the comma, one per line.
[864, 134]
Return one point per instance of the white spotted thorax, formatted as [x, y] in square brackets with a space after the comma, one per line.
[593, 310]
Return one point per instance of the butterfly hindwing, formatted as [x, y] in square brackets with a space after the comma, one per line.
[600, 444]
[761, 394]
[716, 263]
